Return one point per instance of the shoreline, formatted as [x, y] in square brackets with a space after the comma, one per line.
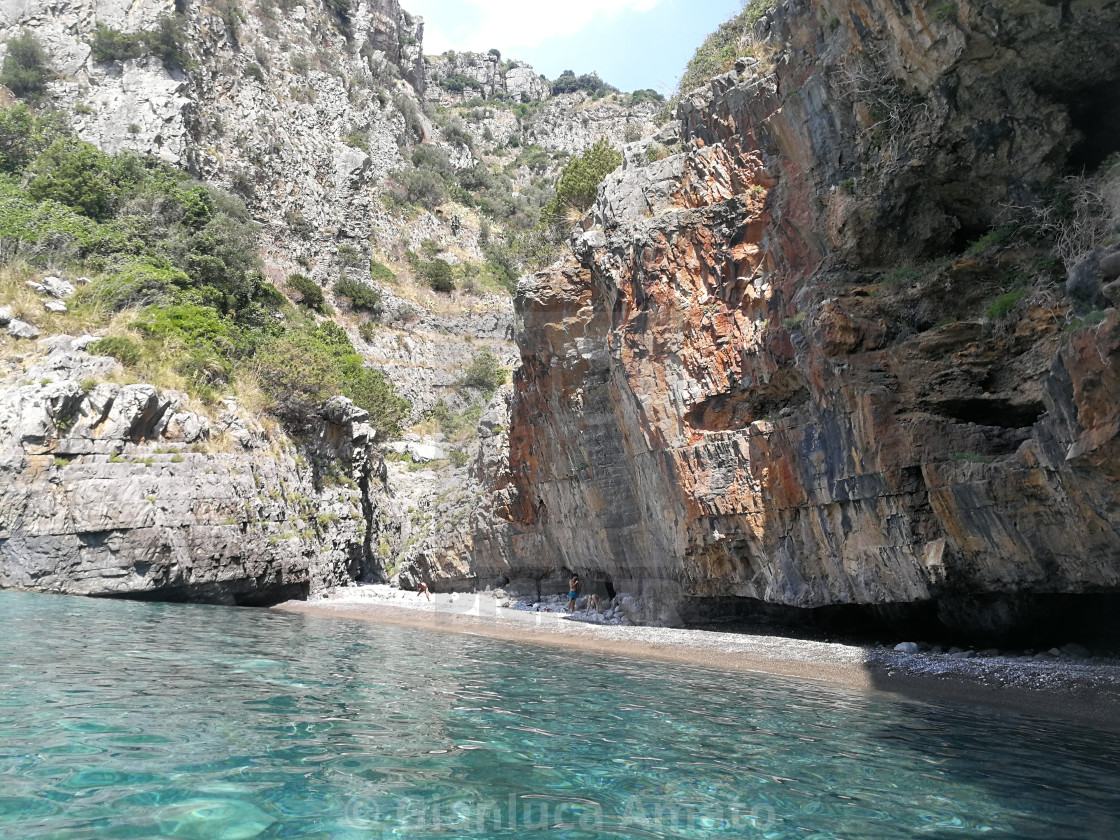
[1086, 692]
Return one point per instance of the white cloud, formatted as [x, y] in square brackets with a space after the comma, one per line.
[511, 25]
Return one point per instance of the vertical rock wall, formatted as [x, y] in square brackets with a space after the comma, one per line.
[747, 383]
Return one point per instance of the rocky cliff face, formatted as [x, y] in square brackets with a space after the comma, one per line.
[456, 78]
[121, 490]
[266, 110]
[774, 374]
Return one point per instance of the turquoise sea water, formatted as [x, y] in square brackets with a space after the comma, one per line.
[130, 720]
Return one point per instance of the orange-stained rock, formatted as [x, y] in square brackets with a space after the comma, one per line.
[769, 370]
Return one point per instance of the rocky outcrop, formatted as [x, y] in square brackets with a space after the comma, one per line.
[772, 375]
[457, 77]
[122, 490]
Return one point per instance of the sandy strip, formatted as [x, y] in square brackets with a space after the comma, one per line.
[1085, 691]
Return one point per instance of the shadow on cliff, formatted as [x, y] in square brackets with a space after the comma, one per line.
[1019, 621]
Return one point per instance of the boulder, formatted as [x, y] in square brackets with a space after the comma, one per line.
[56, 287]
[21, 329]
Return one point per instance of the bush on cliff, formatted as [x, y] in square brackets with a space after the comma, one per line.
[485, 373]
[24, 134]
[300, 369]
[439, 274]
[76, 174]
[361, 297]
[580, 178]
[167, 41]
[174, 268]
[120, 347]
[26, 67]
[310, 294]
[569, 82]
[720, 49]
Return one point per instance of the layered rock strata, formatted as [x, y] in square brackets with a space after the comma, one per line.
[771, 374]
[121, 490]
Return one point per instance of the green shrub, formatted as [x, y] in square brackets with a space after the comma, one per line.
[356, 138]
[419, 186]
[113, 45]
[414, 124]
[1005, 303]
[120, 347]
[76, 174]
[311, 295]
[485, 373]
[25, 134]
[456, 426]
[458, 82]
[455, 131]
[297, 223]
[368, 331]
[348, 255]
[298, 373]
[300, 369]
[434, 158]
[381, 273]
[569, 82]
[26, 67]
[945, 13]
[644, 95]
[254, 71]
[134, 284]
[187, 323]
[361, 296]
[580, 178]
[439, 274]
[167, 41]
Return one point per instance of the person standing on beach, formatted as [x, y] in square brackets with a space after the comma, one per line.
[573, 593]
[422, 589]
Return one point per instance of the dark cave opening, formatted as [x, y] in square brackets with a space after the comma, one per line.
[237, 593]
[1009, 621]
[1095, 113]
[992, 412]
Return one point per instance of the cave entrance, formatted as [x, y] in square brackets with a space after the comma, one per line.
[1095, 113]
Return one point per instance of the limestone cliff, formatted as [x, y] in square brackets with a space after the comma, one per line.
[309, 113]
[264, 110]
[122, 490]
[776, 371]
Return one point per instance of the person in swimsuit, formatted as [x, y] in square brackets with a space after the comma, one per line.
[573, 593]
[422, 589]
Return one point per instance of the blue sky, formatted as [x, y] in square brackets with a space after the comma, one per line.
[630, 43]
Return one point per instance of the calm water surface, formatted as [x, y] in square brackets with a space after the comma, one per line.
[128, 720]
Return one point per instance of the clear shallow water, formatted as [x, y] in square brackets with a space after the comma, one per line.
[129, 720]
